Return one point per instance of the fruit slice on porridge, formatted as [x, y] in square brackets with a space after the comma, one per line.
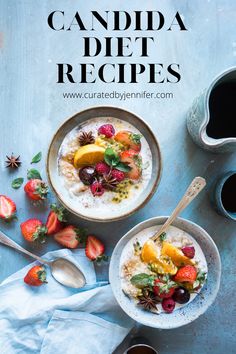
[103, 160]
[164, 275]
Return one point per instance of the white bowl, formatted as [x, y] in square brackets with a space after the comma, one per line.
[183, 315]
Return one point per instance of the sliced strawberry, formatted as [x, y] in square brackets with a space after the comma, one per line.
[187, 273]
[7, 208]
[70, 236]
[163, 290]
[55, 219]
[33, 229]
[129, 139]
[94, 249]
[36, 276]
[134, 161]
[36, 189]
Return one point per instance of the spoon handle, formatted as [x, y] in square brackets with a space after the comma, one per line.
[194, 188]
[8, 242]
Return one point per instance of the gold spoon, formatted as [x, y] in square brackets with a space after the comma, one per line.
[63, 270]
[192, 191]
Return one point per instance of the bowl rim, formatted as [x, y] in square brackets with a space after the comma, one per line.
[112, 266]
[156, 181]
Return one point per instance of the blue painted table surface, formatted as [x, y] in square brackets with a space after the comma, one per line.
[32, 107]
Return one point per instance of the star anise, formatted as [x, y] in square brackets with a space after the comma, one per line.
[148, 301]
[86, 138]
[12, 161]
[109, 182]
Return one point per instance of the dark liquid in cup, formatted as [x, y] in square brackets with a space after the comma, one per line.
[222, 105]
[228, 194]
[141, 350]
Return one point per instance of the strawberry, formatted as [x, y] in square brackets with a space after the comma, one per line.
[163, 289]
[7, 208]
[55, 219]
[36, 276]
[94, 249]
[33, 229]
[134, 161]
[187, 273]
[36, 189]
[70, 236]
[129, 139]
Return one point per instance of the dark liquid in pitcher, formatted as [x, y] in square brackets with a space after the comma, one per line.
[222, 105]
[140, 350]
[228, 194]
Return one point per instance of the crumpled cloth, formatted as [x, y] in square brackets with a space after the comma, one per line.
[53, 319]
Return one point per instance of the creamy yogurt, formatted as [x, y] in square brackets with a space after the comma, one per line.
[177, 237]
[80, 196]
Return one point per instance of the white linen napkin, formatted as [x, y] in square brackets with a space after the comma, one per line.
[53, 318]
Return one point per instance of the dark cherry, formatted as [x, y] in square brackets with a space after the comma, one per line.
[181, 295]
[87, 175]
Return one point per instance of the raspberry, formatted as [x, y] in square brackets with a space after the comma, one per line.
[118, 175]
[97, 189]
[188, 251]
[102, 168]
[107, 130]
[168, 305]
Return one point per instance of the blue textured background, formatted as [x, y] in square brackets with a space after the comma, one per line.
[32, 107]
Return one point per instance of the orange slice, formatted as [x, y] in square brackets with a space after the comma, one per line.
[149, 252]
[88, 155]
[176, 255]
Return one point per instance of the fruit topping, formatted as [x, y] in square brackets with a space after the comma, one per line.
[168, 305]
[181, 295]
[36, 276]
[164, 288]
[118, 175]
[187, 273]
[88, 155]
[107, 130]
[36, 189]
[129, 140]
[102, 168]
[188, 251]
[69, 237]
[87, 175]
[175, 254]
[55, 219]
[7, 208]
[33, 229]
[134, 161]
[163, 265]
[97, 188]
[149, 252]
[94, 249]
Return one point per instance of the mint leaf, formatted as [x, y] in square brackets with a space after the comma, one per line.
[123, 167]
[33, 174]
[111, 157]
[142, 280]
[16, 183]
[162, 236]
[37, 157]
[136, 138]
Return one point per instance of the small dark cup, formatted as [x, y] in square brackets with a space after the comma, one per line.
[140, 345]
[224, 195]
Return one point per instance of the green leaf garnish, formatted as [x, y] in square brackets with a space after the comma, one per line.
[201, 278]
[33, 174]
[162, 236]
[136, 138]
[111, 157]
[37, 157]
[16, 183]
[142, 280]
[123, 167]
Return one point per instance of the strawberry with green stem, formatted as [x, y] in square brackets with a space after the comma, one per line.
[36, 276]
[55, 219]
[36, 189]
[7, 208]
[95, 249]
[33, 229]
[70, 237]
